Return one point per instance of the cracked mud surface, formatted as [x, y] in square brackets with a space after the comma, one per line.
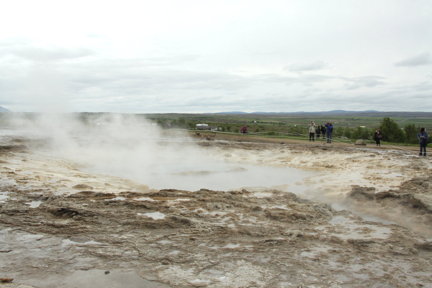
[364, 221]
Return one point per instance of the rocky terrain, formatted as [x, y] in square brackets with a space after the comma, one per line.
[363, 221]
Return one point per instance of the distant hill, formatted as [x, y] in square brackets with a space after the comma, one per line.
[234, 112]
[366, 113]
[3, 109]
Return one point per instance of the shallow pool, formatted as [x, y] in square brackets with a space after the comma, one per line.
[219, 175]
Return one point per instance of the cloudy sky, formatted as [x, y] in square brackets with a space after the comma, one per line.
[215, 55]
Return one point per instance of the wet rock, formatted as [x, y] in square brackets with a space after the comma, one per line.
[165, 262]
[408, 200]
[82, 187]
[64, 212]
[362, 193]
[181, 220]
[87, 195]
[427, 246]
[199, 283]
[285, 215]
[12, 148]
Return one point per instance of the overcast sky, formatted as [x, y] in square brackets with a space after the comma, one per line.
[215, 55]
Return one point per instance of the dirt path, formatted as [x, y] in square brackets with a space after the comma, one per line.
[234, 137]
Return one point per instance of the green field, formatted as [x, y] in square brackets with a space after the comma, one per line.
[348, 126]
[343, 120]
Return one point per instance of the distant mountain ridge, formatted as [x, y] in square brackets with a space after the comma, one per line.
[369, 113]
[2, 109]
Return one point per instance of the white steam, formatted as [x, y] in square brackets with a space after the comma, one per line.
[121, 145]
[132, 147]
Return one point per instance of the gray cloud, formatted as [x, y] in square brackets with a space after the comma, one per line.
[158, 84]
[302, 67]
[299, 56]
[52, 54]
[365, 81]
[314, 79]
[25, 50]
[418, 60]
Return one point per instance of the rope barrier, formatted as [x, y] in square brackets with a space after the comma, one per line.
[306, 136]
[274, 133]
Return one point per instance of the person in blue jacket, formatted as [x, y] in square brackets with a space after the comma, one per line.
[423, 139]
[329, 131]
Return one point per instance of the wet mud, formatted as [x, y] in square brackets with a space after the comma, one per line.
[363, 222]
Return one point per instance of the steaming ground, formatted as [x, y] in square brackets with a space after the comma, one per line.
[360, 216]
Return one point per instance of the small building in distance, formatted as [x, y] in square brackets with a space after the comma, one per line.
[202, 126]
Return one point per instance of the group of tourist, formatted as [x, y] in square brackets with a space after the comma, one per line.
[422, 137]
[326, 130]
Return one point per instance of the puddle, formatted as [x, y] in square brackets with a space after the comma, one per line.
[116, 199]
[145, 199]
[176, 164]
[153, 215]
[96, 278]
[34, 204]
[67, 242]
[4, 182]
[228, 176]
[231, 246]
[313, 252]
[4, 196]
[262, 194]
[346, 228]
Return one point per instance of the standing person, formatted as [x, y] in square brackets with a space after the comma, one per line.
[312, 131]
[329, 131]
[423, 139]
[378, 137]
[323, 130]
[318, 132]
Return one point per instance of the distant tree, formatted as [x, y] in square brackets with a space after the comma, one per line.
[297, 130]
[361, 133]
[337, 132]
[347, 132]
[160, 122]
[181, 123]
[391, 131]
[411, 133]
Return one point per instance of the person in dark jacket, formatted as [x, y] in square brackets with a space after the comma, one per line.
[318, 132]
[323, 131]
[329, 131]
[422, 136]
[378, 137]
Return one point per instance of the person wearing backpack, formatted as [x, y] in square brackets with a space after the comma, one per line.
[329, 131]
[378, 137]
[422, 136]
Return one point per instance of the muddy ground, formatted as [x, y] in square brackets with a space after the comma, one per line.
[365, 221]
